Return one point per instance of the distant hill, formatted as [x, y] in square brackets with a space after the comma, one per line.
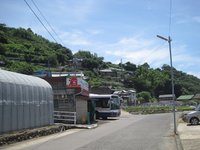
[23, 51]
[141, 77]
[23, 47]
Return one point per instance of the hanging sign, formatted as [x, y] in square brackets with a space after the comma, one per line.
[78, 83]
[72, 82]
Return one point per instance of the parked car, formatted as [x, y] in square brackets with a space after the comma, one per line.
[193, 117]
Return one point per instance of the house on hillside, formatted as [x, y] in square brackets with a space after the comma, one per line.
[101, 90]
[111, 72]
[128, 96]
[108, 73]
[76, 63]
[185, 99]
[167, 99]
[45, 73]
[196, 96]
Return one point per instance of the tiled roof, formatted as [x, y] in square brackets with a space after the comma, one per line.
[165, 96]
[185, 97]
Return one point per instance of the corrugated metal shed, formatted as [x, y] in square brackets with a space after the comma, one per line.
[25, 102]
[166, 97]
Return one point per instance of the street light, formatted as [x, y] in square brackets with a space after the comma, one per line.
[172, 77]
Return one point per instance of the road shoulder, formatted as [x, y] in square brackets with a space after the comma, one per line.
[189, 136]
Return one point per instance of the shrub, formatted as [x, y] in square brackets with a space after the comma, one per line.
[21, 67]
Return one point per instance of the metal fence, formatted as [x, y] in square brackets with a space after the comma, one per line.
[65, 116]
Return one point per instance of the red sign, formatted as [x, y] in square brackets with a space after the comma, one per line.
[78, 83]
[72, 82]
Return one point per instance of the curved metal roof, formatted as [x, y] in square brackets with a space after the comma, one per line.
[17, 78]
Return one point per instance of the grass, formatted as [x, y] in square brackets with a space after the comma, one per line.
[155, 109]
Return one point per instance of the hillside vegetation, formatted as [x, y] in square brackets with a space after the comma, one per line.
[23, 51]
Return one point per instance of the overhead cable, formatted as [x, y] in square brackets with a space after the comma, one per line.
[40, 20]
[153, 51]
[46, 20]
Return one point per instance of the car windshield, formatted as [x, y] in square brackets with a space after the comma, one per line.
[115, 103]
[103, 102]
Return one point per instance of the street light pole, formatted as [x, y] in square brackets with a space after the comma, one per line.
[172, 78]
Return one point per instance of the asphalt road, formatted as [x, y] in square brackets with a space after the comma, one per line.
[132, 132]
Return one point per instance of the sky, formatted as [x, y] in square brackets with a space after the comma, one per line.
[117, 29]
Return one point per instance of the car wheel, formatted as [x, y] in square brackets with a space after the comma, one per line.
[104, 118]
[194, 121]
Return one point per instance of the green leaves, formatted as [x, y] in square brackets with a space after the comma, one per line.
[90, 61]
[144, 96]
[128, 66]
[21, 67]
[25, 46]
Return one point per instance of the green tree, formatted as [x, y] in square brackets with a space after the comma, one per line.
[148, 79]
[23, 45]
[90, 61]
[145, 96]
[52, 60]
[129, 66]
[21, 67]
[3, 38]
[3, 49]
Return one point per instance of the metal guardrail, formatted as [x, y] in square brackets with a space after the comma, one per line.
[64, 116]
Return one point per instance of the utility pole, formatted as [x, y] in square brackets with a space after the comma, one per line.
[172, 79]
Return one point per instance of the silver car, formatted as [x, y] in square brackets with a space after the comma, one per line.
[193, 117]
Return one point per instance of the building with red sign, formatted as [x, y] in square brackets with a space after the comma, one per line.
[71, 96]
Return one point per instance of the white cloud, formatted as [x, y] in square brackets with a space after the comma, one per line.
[140, 55]
[139, 50]
[196, 74]
[74, 38]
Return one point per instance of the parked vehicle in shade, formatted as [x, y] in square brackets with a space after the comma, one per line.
[107, 105]
[193, 117]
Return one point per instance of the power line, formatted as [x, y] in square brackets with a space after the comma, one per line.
[153, 51]
[170, 19]
[40, 20]
[46, 21]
